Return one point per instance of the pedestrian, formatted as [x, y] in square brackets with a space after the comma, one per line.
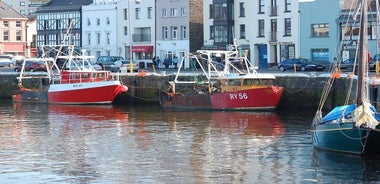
[158, 61]
[175, 61]
[154, 62]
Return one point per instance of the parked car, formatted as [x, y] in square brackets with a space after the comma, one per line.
[7, 61]
[106, 62]
[123, 66]
[301, 64]
[32, 66]
[348, 64]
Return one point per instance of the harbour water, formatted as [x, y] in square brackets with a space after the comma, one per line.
[42, 143]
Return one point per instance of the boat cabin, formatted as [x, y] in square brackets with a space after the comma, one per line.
[68, 77]
[233, 83]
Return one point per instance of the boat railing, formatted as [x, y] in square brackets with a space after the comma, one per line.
[68, 77]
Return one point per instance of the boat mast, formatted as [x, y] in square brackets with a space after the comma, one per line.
[362, 52]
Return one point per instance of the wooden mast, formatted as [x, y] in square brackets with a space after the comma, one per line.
[362, 59]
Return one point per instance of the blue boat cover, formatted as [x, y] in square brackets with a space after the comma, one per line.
[336, 113]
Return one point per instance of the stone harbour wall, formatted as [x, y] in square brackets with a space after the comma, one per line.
[301, 91]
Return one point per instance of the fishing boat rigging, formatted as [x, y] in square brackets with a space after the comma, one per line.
[59, 85]
[353, 127]
[229, 81]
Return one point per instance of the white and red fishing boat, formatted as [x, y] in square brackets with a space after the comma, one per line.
[81, 84]
[230, 83]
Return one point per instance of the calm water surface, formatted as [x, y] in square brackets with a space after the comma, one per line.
[42, 143]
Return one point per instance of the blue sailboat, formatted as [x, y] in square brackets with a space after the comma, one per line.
[351, 128]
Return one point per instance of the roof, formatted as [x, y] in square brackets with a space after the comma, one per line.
[8, 12]
[69, 2]
[63, 5]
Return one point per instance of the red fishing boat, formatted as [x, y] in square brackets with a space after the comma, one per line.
[74, 85]
[231, 83]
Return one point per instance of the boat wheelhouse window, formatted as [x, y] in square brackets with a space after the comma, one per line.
[247, 82]
[235, 82]
[93, 75]
[257, 82]
[85, 75]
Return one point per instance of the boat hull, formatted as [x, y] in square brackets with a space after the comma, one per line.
[345, 138]
[266, 98]
[75, 93]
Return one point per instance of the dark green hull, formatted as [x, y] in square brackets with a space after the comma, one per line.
[346, 138]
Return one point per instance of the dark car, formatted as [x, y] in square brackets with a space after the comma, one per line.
[32, 66]
[107, 62]
[300, 64]
[348, 64]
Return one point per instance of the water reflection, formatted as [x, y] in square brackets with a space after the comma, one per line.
[340, 168]
[42, 143]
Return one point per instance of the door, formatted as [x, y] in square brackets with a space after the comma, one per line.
[263, 56]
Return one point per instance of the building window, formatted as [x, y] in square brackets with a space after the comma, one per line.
[183, 12]
[242, 9]
[164, 13]
[98, 38]
[88, 22]
[320, 55]
[88, 38]
[221, 11]
[125, 30]
[5, 23]
[108, 21]
[98, 21]
[22, 12]
[261, 28]
[138, 13]
[165, 32]
[220, 34]
[242, 31]
[18, 35]
[261, 6]
[212, 33]
[288, 27]
[108, 36]
[125, 13]
[184, 32]
[287, 5]
[174, 12]
[18, 23]
[22, 3]
[320, 30]
[287, 51]
[150, 12]
[211, 11]
[174, 33]
[6, 35]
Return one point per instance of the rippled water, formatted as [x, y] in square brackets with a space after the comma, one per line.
[42, 143]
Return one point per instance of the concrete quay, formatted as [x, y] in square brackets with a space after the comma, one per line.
[302, 89]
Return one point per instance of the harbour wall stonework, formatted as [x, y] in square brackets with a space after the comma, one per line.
[302, 91]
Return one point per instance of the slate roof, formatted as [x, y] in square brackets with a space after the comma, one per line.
[8, 12]
[63, 5]
[69, 2]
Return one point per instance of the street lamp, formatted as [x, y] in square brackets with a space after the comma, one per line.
[130, 39]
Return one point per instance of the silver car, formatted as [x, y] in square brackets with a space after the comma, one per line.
[7, 61]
